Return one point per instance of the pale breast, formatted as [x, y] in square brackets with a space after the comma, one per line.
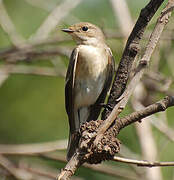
[90, 74]
[91, 61]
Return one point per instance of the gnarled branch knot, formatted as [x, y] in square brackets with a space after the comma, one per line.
[104, 150]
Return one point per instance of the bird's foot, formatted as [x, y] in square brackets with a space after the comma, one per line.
[106, 106]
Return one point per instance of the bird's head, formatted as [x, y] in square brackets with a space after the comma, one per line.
[86, 33]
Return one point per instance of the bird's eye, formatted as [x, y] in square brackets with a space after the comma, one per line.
[84, 28]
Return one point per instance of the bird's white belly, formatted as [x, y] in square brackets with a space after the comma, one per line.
[90, 76]
[88, 92]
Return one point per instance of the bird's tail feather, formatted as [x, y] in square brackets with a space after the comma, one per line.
[72, 144]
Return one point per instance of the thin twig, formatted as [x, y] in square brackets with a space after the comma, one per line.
[33, 148]
[33, 70]
[13, 55]
[105, 169]
[121, 12]
[45, 5]
[53, 19]
[163, 127]
[9, 27]
[45, 172]
[142, 162]
[16, 172]
[144, 132]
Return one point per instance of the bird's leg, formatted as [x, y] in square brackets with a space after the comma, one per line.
[109, 106]
[106, 106]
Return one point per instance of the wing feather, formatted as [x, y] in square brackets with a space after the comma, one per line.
[69, 89]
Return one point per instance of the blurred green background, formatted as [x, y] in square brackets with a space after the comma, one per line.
[32, 107]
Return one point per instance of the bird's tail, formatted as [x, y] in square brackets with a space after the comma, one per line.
[72, 144]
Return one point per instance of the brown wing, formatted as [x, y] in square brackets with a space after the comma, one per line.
[96, 108]
[69, 89]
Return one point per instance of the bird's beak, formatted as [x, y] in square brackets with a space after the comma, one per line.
[68, 30]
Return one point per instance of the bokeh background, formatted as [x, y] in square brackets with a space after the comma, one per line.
[32, 107]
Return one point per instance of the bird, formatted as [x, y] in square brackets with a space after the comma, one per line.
[88, 78]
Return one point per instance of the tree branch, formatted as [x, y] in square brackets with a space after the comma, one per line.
[162, 105]
[14, 54]
[33, 70]
[32, 148]
[53, 19]
[16, 172]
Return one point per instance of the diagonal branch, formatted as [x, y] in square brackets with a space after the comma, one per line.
[53, 19]
[130, 52]
[16, 172]
[9, 27]
[161, 22]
